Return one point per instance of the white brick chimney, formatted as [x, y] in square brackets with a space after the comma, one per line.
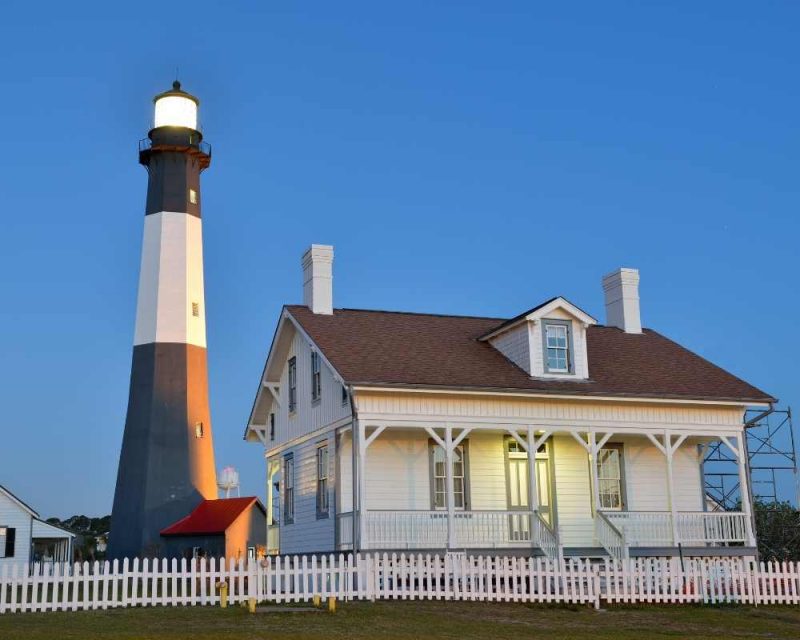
[318, 278]
[622, 300]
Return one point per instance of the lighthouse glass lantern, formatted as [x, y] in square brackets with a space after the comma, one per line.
[175, 108]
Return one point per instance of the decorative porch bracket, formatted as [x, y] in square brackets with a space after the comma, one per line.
[449, 445]
[274, 391]
[592, 446]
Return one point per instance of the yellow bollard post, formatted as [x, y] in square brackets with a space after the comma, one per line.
[331, 604]
[251, 605]
[223, 593]
[317, 600]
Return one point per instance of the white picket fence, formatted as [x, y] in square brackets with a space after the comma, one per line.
[405, 576]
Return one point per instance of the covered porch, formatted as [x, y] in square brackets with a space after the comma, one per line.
[448, 487]
[50, 544]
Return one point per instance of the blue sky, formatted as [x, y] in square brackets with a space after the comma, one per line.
[470, 157]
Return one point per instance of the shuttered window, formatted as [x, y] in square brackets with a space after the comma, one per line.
[288, 489]
[322, 482]
[292, 384]
[316, 376]
[7, 540]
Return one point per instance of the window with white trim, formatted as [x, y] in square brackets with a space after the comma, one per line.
[610, 477]
[557, 347]
[322, 482]
[292, 384]
[288, 489]
[316, 376]
[439, 478]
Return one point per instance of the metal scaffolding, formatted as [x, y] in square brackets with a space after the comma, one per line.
[772, 462]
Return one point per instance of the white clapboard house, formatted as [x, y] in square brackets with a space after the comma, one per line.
[409, 431]
[25, 538]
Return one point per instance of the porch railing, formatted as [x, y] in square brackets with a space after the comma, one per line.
[712, 527]
[273, 539]
[344, 531]
[694, 528]
[643, 528]
[471, 530]
[610, 537]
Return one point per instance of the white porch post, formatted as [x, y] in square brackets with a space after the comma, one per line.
[362, 485]
[593, 448]
[533, 493]
[668, 451]
[448, 450]
[744, 489]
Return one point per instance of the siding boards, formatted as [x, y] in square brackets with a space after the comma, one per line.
[308, 416]
[14, 516]
[307, 533]
[380, 405]
[573, 492]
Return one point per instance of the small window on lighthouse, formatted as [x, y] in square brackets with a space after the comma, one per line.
[192, 196]
[198, 430]
[196, 309]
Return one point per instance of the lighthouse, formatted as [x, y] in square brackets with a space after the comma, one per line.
[166, 465]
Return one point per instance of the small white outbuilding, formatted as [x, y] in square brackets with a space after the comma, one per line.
[26, 538]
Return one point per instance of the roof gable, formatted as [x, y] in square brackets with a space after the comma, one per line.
[18, 502]
[541, 311]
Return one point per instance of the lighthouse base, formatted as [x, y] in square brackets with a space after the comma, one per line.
[166, 464]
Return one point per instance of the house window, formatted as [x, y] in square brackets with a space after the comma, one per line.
[610, 478]
[292, 384]
[271, 427]
[288, 489]
[557, 346]
[192, 196]
[439, 478]
[322, 482]
[7, 539]
[316, 377]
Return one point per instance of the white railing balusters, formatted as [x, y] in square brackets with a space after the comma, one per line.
[695, 528]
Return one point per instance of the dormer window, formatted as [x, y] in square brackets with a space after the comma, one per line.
[558, 346]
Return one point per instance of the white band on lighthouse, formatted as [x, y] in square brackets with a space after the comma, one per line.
[171, 302]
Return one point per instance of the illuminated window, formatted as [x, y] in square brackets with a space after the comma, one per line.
[610, 478]
[439, 478]
[192, 196]
[196, 309]
[198, 430]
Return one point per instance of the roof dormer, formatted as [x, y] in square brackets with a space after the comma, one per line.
[548, 341]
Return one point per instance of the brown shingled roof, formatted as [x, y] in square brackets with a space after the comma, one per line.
[411, 349]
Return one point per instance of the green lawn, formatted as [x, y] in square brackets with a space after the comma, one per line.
[407, 619]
